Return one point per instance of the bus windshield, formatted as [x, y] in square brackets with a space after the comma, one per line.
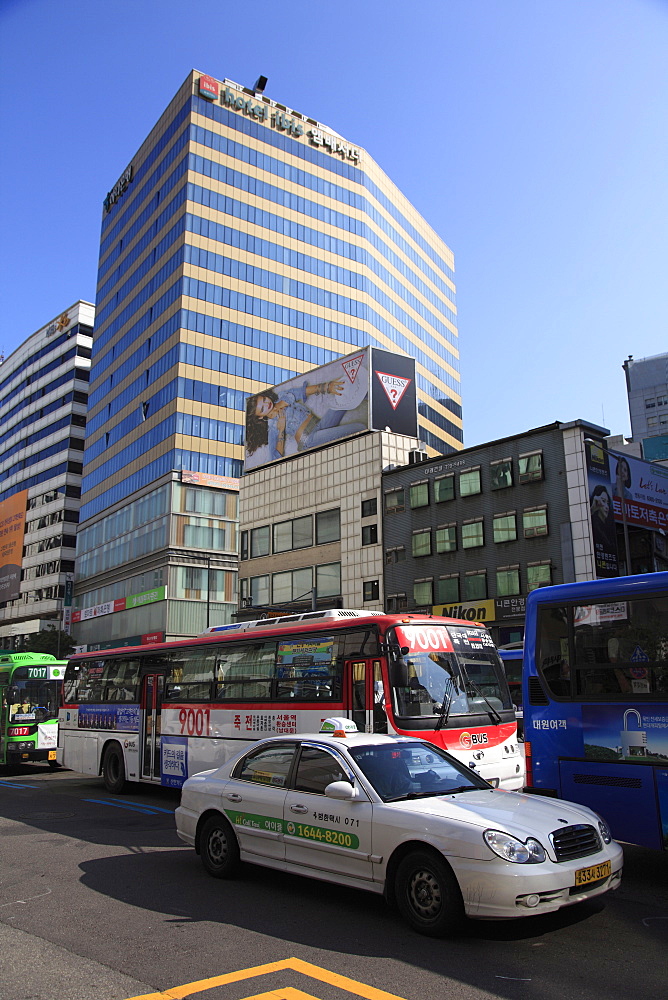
[32, 699]
[463, 677]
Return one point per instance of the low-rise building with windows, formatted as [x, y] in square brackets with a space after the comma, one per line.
[311, 533]
[469, 535]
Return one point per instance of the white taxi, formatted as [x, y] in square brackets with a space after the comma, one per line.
[398, 816]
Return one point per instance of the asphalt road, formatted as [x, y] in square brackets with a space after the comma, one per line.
[99, 900]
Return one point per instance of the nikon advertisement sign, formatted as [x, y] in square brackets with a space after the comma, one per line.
[484, 611]
[476, 611]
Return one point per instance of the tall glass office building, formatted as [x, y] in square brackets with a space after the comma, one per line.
[243, 244]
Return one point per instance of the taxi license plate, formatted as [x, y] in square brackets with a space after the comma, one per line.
[52, 754]
[584, 876]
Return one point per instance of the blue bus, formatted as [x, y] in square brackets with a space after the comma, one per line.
[512, 656]
[595, 700]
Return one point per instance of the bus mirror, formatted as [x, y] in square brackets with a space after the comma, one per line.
[399, 672]
[13, 695]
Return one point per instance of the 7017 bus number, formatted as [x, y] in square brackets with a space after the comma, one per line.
[195, 721]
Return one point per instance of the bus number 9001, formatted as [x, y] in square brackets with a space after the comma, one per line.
[195, 721]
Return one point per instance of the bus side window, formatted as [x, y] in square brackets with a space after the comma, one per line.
[120, 679]
[245, 672]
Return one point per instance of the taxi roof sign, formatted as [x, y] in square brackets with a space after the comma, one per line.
[338, 727]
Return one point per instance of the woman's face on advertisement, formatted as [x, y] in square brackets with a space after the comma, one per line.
[603, 504]
[263, 406]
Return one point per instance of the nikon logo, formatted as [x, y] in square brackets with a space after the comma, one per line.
[468, 614]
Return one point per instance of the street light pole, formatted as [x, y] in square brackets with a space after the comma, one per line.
[208, 590]
[620, 493]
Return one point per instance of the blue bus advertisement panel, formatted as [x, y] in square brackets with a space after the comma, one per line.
[595, 698]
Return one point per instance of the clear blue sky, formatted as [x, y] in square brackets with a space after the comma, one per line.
[531, 134]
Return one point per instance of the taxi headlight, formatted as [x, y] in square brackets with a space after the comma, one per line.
[604, 830]
[511, 849]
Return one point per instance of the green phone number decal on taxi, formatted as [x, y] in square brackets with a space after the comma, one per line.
[271, 824]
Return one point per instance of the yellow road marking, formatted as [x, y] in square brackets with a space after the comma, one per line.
[286, 993]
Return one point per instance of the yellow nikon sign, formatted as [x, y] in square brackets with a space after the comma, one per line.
[477, 611]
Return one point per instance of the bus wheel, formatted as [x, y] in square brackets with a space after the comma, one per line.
[218, 848]
[428, 894]
[113, 769]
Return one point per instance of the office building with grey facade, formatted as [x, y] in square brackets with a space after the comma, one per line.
[43, 404]
[469, 535]
[647, 388]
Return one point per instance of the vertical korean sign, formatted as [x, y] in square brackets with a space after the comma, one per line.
[12, 528]
[603, 530]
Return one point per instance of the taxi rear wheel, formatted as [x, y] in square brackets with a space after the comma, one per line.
[218, 848]
[428, 894]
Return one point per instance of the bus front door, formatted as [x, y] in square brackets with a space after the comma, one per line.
[152, 691]
[365, 697]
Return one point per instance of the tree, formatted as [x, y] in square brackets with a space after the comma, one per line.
[50, 640]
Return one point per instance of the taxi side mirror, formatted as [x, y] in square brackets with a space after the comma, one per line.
[341, 790]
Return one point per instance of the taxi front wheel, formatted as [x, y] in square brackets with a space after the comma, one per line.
[218, 848]
[428, 894]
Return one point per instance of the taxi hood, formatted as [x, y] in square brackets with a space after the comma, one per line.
[512, 812]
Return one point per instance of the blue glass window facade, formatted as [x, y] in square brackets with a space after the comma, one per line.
[235, 257]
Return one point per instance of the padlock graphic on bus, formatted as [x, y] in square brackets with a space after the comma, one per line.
[634, 741]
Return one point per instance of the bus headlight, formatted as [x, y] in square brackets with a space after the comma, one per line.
[511, 849]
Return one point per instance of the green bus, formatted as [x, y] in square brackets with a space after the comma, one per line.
[30, 688]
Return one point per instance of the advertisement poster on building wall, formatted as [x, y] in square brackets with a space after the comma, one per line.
[622, 487]
[369, 389]
[12, 528]
[603, 530]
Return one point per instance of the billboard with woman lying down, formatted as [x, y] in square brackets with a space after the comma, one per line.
[367, 390]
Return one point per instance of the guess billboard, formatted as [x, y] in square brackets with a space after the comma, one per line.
[367, 390]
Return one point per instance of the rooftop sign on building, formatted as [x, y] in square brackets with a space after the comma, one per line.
[367, 390]
[276, 116]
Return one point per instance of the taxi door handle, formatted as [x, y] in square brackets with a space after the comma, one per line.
[299, 809]
[233, 796]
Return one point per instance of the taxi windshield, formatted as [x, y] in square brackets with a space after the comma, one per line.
[414, 770]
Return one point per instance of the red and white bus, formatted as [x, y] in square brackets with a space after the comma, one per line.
[164, 712]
